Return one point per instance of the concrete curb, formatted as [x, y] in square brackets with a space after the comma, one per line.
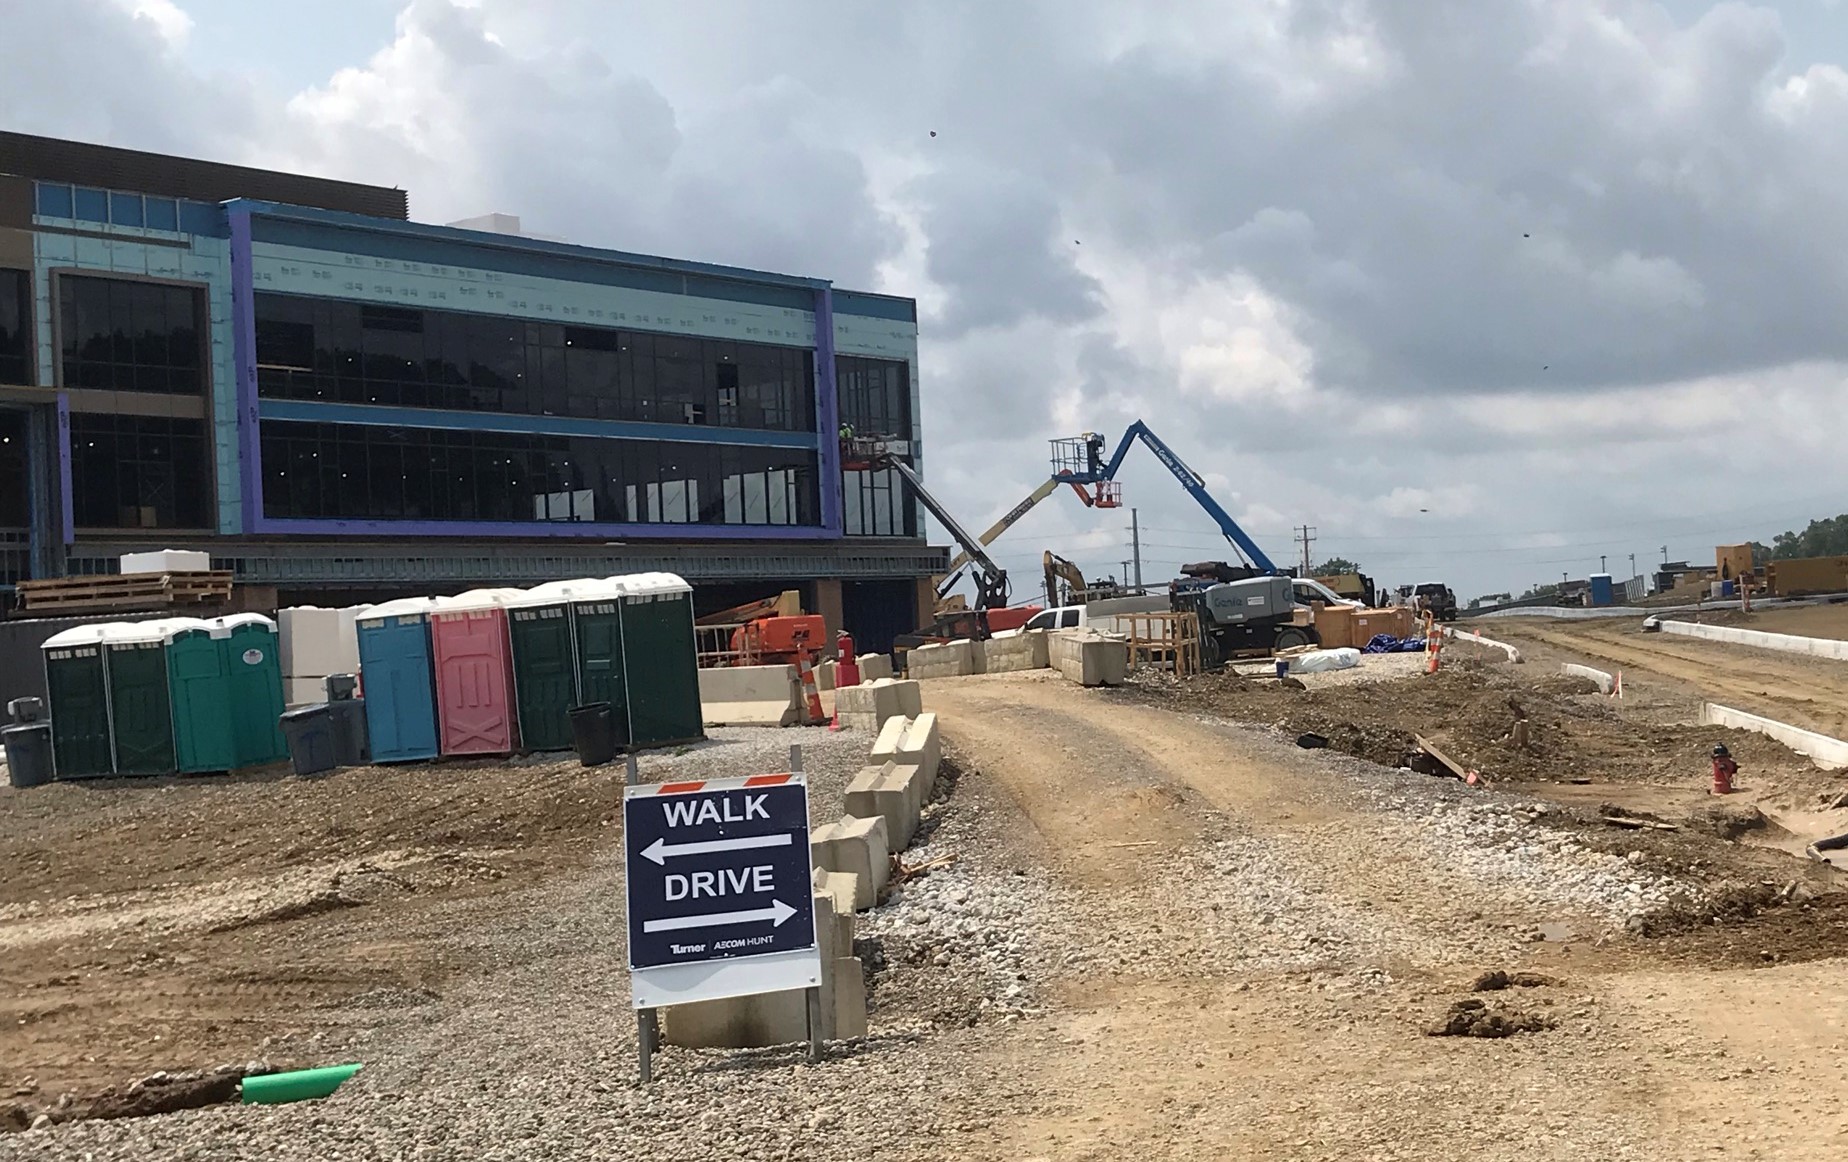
[1476, 639]
[1606, 682]
[1828, 753]
[1815, 647]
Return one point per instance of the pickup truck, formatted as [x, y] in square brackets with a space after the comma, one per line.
[1438, 599]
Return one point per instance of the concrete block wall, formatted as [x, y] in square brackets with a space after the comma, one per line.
[869, 705]
[948, 660]
[1025, 650]
[1090, 658]
[750, 696]
[875, 666]
[912, 742]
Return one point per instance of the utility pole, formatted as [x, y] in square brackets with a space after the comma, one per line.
[1665, 554]
[1135, 545]
[1306, 534]
[1126, 572]
[1632, 565]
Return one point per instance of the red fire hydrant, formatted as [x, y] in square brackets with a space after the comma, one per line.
[846, 665]
[1724, 768]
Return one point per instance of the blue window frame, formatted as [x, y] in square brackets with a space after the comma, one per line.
[91, 205]
[54, 199]
[163, 214]
[198, 218]
[125, 209]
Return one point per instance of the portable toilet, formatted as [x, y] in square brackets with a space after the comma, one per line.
[77, 687]
[596, 626]
[399, 679]
[474, 673]
[199, 688]
[544, 663]
[140, 708]
[660, 660]
[1601, 589]
[253, 664]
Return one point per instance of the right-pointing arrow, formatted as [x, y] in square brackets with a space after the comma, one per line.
[661, 850]
[776, 913]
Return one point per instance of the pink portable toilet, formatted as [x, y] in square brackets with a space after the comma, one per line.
[473, 659]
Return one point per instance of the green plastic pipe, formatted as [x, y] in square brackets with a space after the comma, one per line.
[298, 1085]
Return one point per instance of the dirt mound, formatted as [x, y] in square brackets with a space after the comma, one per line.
[158, 1093]
[1477, 1018]
[1495, 980]
[1470, 708]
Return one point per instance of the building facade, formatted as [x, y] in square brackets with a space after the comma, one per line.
[345, 404]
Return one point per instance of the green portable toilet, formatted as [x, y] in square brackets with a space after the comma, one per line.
[199, 686]
[253, 668]
[596, 626]
[544, 663]
[660, 660]
[77, 687]
[140, 711]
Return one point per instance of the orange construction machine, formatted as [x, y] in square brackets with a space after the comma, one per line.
[773, 641]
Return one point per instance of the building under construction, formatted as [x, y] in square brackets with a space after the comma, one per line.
[344, 404]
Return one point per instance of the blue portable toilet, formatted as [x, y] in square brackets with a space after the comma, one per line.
[1601, 593]
[398, 676]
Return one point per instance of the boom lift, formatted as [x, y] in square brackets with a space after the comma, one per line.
[1080, 462]
[1006, 522]
[875, 453]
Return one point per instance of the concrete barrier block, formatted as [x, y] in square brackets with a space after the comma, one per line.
[750, 696]
[1814, 647]
[858, 847]
[1606, 681]
[1474, 638]
[1090, 658]
[866, 706]
[912, 742]
[894, 793]
[1022, 650]
[1831, 754]
[875, 666]
[910, 696]
[849, 996]
[843, 888]
[948, 660]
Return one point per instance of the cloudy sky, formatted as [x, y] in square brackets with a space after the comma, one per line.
[1480, 290]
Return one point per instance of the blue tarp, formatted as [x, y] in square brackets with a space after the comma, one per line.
[1385, 643]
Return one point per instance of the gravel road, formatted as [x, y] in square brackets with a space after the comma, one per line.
[1160, 936]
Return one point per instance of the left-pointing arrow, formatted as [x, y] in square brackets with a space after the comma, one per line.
[776, 913]
[661, 850]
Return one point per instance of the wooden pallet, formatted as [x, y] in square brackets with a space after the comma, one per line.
[124, 592]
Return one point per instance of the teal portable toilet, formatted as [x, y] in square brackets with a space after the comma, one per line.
[77, 689]
[199, 687]
[140, 711]
[253, 666]
[660, 660]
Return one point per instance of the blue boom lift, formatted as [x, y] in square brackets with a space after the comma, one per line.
[1080, 461]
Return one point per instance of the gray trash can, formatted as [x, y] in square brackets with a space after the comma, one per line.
[309, 733]
[24, 710]
[28, 754]
[339, 687]
[352, 745]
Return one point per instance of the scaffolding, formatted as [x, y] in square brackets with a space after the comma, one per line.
[1163, 641]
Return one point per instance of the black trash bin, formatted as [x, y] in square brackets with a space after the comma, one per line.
[352, 745]
[309, 733]
[28, 753]
[593, 729]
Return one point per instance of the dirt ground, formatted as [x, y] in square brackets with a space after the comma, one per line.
[1195, 940]
[178, 923]
[1807, 692]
